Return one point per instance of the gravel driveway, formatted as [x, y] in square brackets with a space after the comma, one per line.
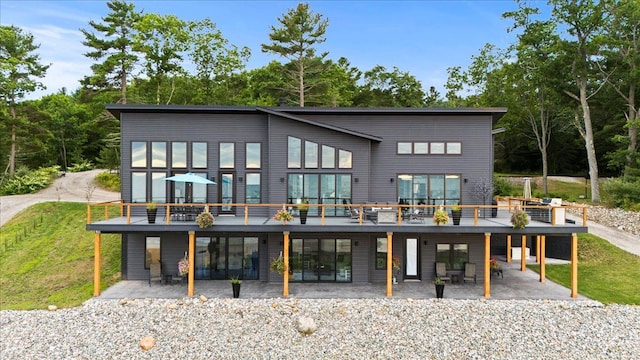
[74, 187]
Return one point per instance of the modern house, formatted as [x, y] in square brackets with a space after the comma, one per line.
[372, 177]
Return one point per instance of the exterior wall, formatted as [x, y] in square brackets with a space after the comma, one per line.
[172, 248]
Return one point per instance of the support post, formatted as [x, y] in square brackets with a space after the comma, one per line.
[543, 249]
[537, 249]
[509, 248]
[389, 264]
[192, 268]
[523, 252]
[96, 264]
[487, 267]
[285, 288]
[574, 265]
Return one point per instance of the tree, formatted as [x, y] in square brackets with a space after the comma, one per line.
[19, 68]
[300, 31]
[390, 89]
[583, 20]
[114, 48]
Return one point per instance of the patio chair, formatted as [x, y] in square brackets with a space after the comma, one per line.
[417, 214]
[354, 215]
[155, 273]
[441, 272]
[469, 272]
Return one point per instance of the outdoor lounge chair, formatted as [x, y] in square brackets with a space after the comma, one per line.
[417, 214]
[441, 271]
[155, 273]
[354, 215]
[469, 272]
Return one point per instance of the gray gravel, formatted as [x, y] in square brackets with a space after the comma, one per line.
[197, 328]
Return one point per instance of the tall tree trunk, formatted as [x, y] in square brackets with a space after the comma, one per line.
[588, 140]
[12, 153]
[301, 82]
[123, 84]
[633, 121]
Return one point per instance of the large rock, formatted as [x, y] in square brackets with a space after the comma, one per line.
[306, 325]
[147, 343]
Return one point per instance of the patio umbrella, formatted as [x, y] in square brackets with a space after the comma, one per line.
[190, 178]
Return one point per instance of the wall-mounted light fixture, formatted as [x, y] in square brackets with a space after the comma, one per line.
[466, 180]
[281, 180]
[425, 242]
[355, 243]
[356, 179]
[391, 180]
[240, 179]
[213, 178]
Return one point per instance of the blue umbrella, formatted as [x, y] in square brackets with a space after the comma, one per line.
[190, 178]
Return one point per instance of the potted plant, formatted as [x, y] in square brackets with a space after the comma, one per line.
[283, 215]
[304, 210]
[151, 212]
[395, 262]
[440, 217]
[205, 219]
[519, 218]
[439, 287]
[277, 264]
[235, 285]
[183, 266]
[456, 214]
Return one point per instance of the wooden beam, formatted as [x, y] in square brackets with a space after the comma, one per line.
[389, 264]
[523, 260]
[543, 250]
[509, 248]
[96, 264]
[285, 288]
[574, 265]
[487, 267]
[192, 257]
[537, 249]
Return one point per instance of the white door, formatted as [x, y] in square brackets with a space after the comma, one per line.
[412, 257]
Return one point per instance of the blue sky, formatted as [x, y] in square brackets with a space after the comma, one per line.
[421, 37]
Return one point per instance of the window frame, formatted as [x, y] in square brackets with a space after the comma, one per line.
[176, 163]
[381, 256]
[146, 155]
[248, 159]
[148, 260]
[450, 263]
[193, 155]
[224, 165]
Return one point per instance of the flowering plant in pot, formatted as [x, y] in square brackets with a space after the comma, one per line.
[456, 214]
[151, 212]
[183, 267]
[519, 218]
[283, 215]
[205, 220]
[277, 265]
[440, 217]
[235, 285]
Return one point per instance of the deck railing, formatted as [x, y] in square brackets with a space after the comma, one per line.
[402, 211]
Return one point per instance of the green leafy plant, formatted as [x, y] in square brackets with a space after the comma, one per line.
[205, 219]
[235, 279]
[151, 206]
[519, 218]
[283, 215]
[277, 264]
[438, 281]
[440, 217]
[304, 206]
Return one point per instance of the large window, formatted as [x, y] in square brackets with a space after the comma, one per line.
[454, 255]
[314, 260]
[253, 155]
[345, 159]
[138, 154]
[252, 189]
[227, 155]
[320, 189]
[199, 155]
[436, 189]
[179, 155]
[158, 187]
[328, 157]
[138, 187]
[294, 152]
[219, 258]
[152, 250]
[310, 155]
[159, 154]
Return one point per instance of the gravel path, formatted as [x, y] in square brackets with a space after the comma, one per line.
[346, 329]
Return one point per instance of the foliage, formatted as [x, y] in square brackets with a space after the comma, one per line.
[151, 206]
[601, 268]
[502, 186]
[82, 166]
[519, 218]
[183, 266]
[623, 193]
[283, 215]
[277, 264]
[108, 181]
[54, 264]
[395, 262]
[205, 220]
[304, 206]
[440, 217]
[235, 279]
[493, 263]
[438, 281]
[29, 182]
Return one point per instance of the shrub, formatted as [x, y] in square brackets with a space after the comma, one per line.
[29, 182]
[83, 166]
[623, 194]
[108, 181]
[502, 186]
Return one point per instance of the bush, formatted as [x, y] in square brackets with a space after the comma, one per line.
[83, 166]
[622, 193]
[29, 182]
[502, 186]
[108, 181]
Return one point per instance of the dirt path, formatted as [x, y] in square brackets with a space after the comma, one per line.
[74, 187]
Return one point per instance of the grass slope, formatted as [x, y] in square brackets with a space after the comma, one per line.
[53, 263]
[605, 272]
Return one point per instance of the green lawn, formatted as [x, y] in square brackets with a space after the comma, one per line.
[52, 263]
[605, 272]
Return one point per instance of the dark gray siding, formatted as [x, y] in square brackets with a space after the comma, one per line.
[476, 253]
[135, 258]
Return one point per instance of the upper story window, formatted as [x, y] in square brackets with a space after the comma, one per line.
[138, 154]
[436, 148]
[199, 155]
[404, 148]
[454, 148]
[345, 159]
[253, 156]
[252, 188]
[227, 155]
[294, 152]
[310, 155]
[179, 154]
[159, 154]
[420, 148]
[328, 157]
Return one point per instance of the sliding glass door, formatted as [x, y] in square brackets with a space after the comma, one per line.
[326, 260]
